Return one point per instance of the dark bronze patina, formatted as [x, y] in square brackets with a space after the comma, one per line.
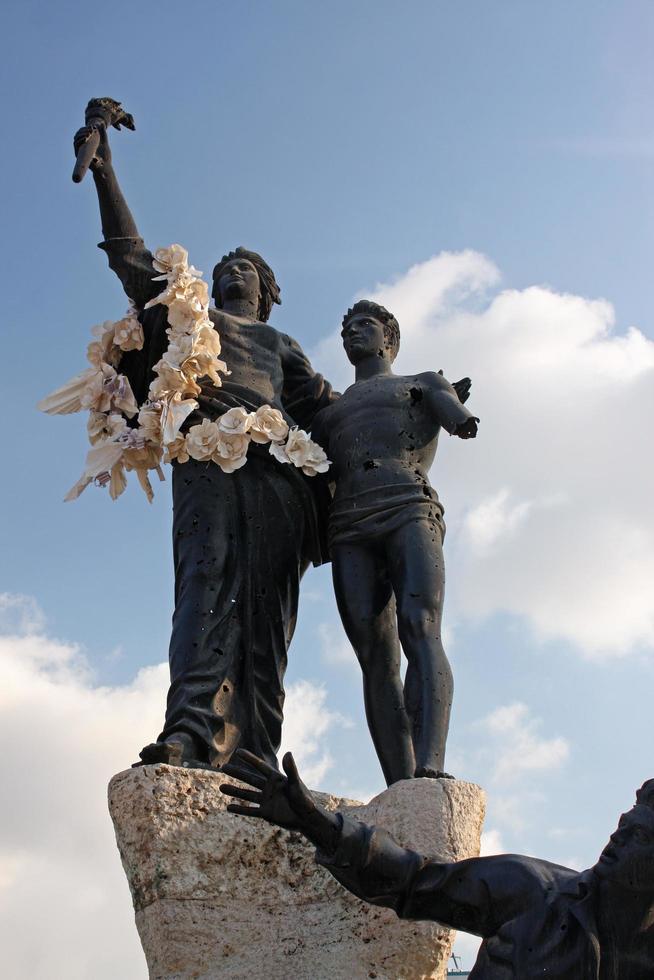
[242, 540]
[536, 919]
[385, 533]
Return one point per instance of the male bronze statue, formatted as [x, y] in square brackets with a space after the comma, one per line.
[536, 919]
[385, 537]
[241, 540]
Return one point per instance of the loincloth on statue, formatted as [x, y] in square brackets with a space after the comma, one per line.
[374, 514]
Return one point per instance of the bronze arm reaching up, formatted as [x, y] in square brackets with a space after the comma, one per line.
[535, 918]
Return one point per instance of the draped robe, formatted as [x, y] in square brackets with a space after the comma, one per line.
[241, 541]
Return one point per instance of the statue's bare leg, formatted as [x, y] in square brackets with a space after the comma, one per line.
[367, 608]
[415, 560]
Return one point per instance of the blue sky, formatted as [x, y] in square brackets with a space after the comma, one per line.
[350, 143]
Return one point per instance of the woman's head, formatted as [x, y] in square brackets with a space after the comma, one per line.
[233, 275]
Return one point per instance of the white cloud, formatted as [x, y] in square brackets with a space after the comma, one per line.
[306, 722]
[494, 519]
[549, 509]
[336, 648]
[64, 903]
[514, 761]
[513, 739]
[491, 843]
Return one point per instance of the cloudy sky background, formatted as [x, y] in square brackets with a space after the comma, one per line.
[485, 170]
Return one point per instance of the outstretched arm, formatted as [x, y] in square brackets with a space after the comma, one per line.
[367, 861]
[446, 403]
[128, 256]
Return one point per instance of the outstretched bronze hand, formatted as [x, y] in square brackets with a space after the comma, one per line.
[281, 799]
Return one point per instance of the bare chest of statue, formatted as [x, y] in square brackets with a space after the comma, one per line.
[380, 432]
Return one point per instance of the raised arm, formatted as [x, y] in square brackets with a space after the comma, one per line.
[128, 256]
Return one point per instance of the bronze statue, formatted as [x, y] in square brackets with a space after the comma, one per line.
[536, 919]
[385, 535]
[241, 540]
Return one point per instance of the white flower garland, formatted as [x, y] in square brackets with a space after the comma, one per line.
[192, 353]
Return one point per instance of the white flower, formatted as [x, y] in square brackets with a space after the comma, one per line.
[298, 446]
[106, 389]
[202, 440]
[94, 397]
[146, 457]
[268, 425]
[300, 450]
[192, 353]
[176, 409]
[142, 459]
[207, 337]
[316, 462]
[150, 423]
[170, 380]
[203, 364]
[278, 450]
[196, 295]
[173, 258]
[181, 315]
[102, 350]
[128, 333]
[102, 426]
[236, 421]
[176, 450]
[179, 349]
[231, 451]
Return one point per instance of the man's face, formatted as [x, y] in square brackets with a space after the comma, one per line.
[238, 280]
[628, 858]
[363, 335]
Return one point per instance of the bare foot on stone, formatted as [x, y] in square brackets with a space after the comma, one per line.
[426, 772]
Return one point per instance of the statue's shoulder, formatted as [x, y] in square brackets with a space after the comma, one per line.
[286, 341]
[523, 873]
[432, 379]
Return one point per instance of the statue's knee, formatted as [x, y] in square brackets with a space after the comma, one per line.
[417, 624]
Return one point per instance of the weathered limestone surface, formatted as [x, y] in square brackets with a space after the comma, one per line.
[222, 896]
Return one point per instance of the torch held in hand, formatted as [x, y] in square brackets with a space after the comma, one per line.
[99, 112]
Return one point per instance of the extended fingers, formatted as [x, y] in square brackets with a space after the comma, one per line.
[250, 795]
[288, 762]
[244, 811]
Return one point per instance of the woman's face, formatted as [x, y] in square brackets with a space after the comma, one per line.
[238, 280]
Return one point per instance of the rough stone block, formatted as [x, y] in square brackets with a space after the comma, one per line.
[222, 897]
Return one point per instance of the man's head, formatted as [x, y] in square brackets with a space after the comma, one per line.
[244, 275]
[628, 858]
[369, 328]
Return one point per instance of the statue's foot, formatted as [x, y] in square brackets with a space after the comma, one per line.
[426, 772]
[176, 750]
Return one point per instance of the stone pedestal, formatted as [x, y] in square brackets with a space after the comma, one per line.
[222, 897]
